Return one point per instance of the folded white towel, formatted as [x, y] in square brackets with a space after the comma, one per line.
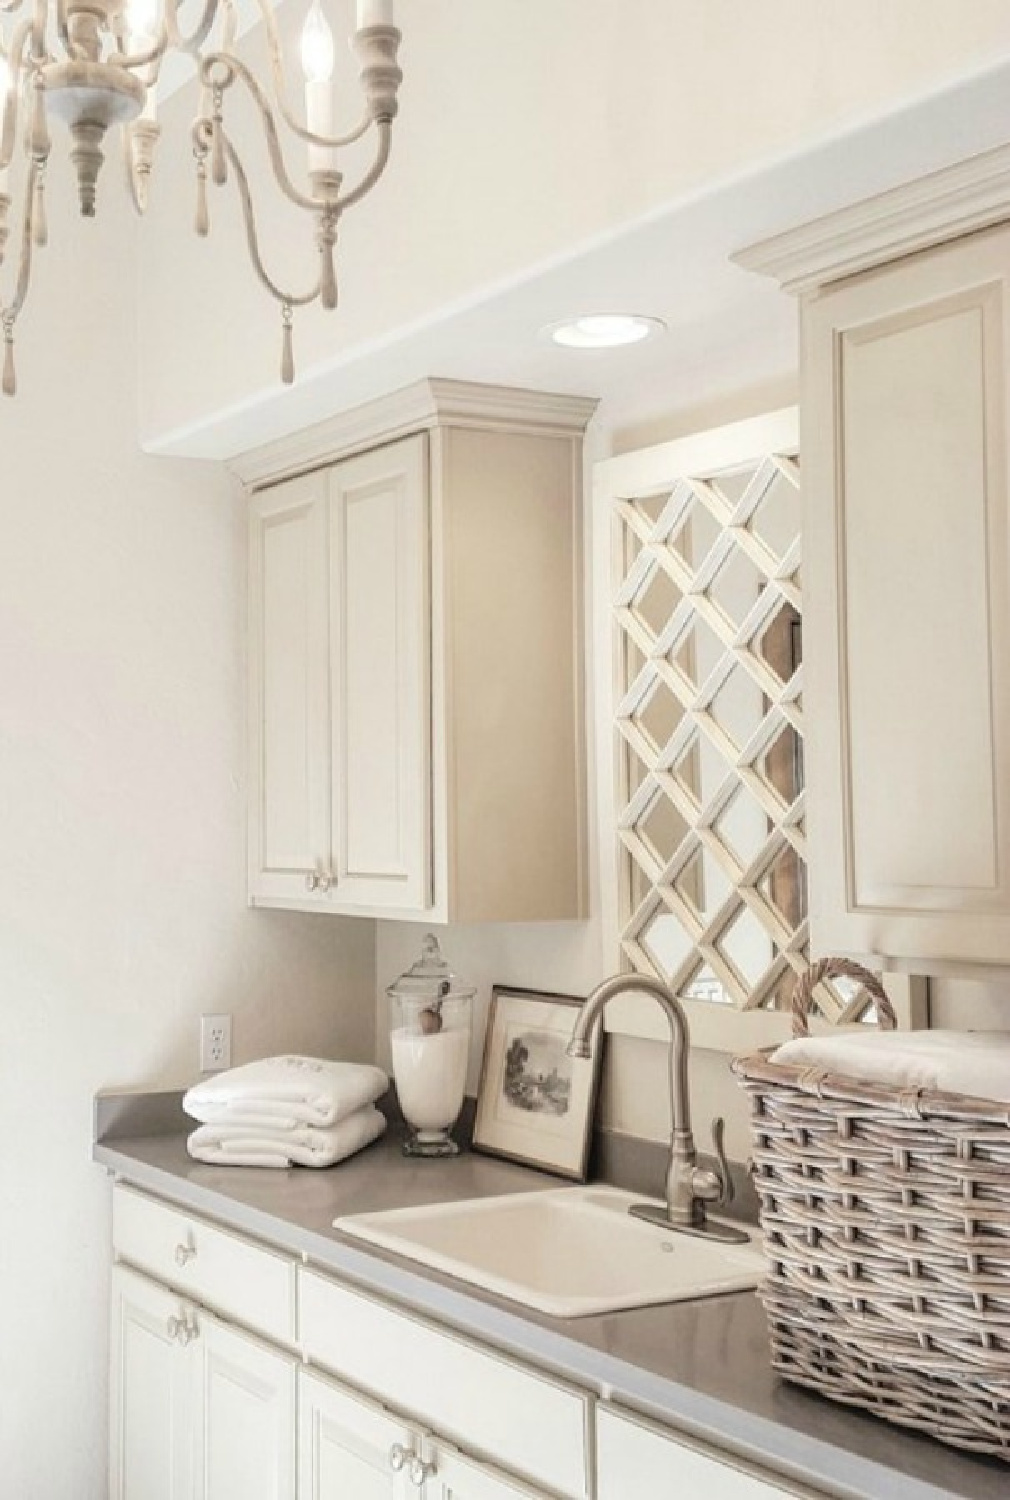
[955, 1062]
[290, 1090]
[304, 1146]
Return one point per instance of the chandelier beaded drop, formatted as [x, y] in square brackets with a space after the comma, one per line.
[95, 64]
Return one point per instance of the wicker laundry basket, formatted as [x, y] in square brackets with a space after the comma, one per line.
[886, 1222]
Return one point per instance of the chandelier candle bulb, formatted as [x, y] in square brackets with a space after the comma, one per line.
[375, 13]
[317, 63]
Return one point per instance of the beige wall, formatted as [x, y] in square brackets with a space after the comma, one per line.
[527, 129]
[122, 911]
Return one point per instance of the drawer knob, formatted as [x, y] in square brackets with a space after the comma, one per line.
[184, 1254]
[398, 1456]
[419, 1471]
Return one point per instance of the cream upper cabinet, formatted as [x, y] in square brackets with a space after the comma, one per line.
[907, 629]
[905, 572]
[416, 677]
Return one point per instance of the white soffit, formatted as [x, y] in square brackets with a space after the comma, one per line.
[729, 329]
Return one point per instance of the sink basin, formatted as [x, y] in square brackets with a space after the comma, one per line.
[567, 1252]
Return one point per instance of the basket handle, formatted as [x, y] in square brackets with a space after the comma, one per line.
[837, 968]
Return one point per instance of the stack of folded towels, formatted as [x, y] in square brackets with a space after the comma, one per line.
[286, 1111]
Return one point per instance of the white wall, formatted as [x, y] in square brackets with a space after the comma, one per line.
[122, 911]
[526, 130]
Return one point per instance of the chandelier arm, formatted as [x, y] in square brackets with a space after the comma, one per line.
[196, 39]
[384, 130]
[249, 216]
[12, 312]
[38, 31]
[134, 61]
[281, 91]
[233, 68]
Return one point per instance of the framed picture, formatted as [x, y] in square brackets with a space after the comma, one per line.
[535, 1103]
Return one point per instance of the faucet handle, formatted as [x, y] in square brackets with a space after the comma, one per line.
[726, 1189]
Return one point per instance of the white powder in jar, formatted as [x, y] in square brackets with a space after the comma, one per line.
[430, 1073]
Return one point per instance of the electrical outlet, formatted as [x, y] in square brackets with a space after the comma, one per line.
[215, 1043]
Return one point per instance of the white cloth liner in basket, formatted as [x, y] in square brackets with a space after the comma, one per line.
[957, 1062]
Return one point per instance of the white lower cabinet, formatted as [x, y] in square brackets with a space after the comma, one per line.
[367, 1401]
[635, 1459]
[457, 1477]
[153, 1394]
[352, 1449]
[345, 1445]
[245, 1429]
[200, 1411]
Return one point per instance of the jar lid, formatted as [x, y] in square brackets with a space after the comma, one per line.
[429, 977]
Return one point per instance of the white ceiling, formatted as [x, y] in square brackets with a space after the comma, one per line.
[728, 330]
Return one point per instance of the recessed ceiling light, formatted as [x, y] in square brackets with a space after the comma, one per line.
[604, 331]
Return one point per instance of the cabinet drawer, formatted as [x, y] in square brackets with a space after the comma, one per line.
[526, 1422]
[254, 1285]
[635, 1458]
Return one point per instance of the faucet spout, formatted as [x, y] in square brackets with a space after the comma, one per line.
[688, 1188]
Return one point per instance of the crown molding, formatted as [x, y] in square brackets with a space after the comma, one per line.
[972, 194]
[426, 404]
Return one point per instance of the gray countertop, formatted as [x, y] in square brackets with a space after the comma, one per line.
[701, 1366]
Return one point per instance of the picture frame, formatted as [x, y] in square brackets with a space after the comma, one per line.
[535, 1104]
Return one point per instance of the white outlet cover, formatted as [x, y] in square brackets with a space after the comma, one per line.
[215, 1042]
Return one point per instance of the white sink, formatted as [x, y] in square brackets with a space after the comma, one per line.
[567, 1252]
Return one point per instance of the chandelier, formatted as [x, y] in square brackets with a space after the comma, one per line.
[95, 64]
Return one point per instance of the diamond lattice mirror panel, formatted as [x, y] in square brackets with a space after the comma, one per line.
[706, 727]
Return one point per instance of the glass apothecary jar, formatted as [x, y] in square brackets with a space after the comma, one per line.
[429, 1024]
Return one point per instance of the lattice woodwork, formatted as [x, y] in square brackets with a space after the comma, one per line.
[709, 713]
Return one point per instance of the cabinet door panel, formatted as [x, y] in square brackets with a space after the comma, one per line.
[460, 1478]
[246, 1438]
[289, 688]
[907, 673]
[344, 1445]
[634, 1459]
[380, 683]
[153, 1406]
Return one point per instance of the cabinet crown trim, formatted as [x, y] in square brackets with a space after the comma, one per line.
[425, 404]
[972, 194]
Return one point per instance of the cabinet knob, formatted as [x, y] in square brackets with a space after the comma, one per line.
[420, 1470]
[184, 1254]
[398, 1456]
[188, 1332]
[181, 1330]
[319, 880]
[312, 881]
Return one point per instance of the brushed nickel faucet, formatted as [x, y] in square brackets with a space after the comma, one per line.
[688, 1187]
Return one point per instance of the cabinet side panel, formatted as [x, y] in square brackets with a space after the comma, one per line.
[915, 530]
[514, 677]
